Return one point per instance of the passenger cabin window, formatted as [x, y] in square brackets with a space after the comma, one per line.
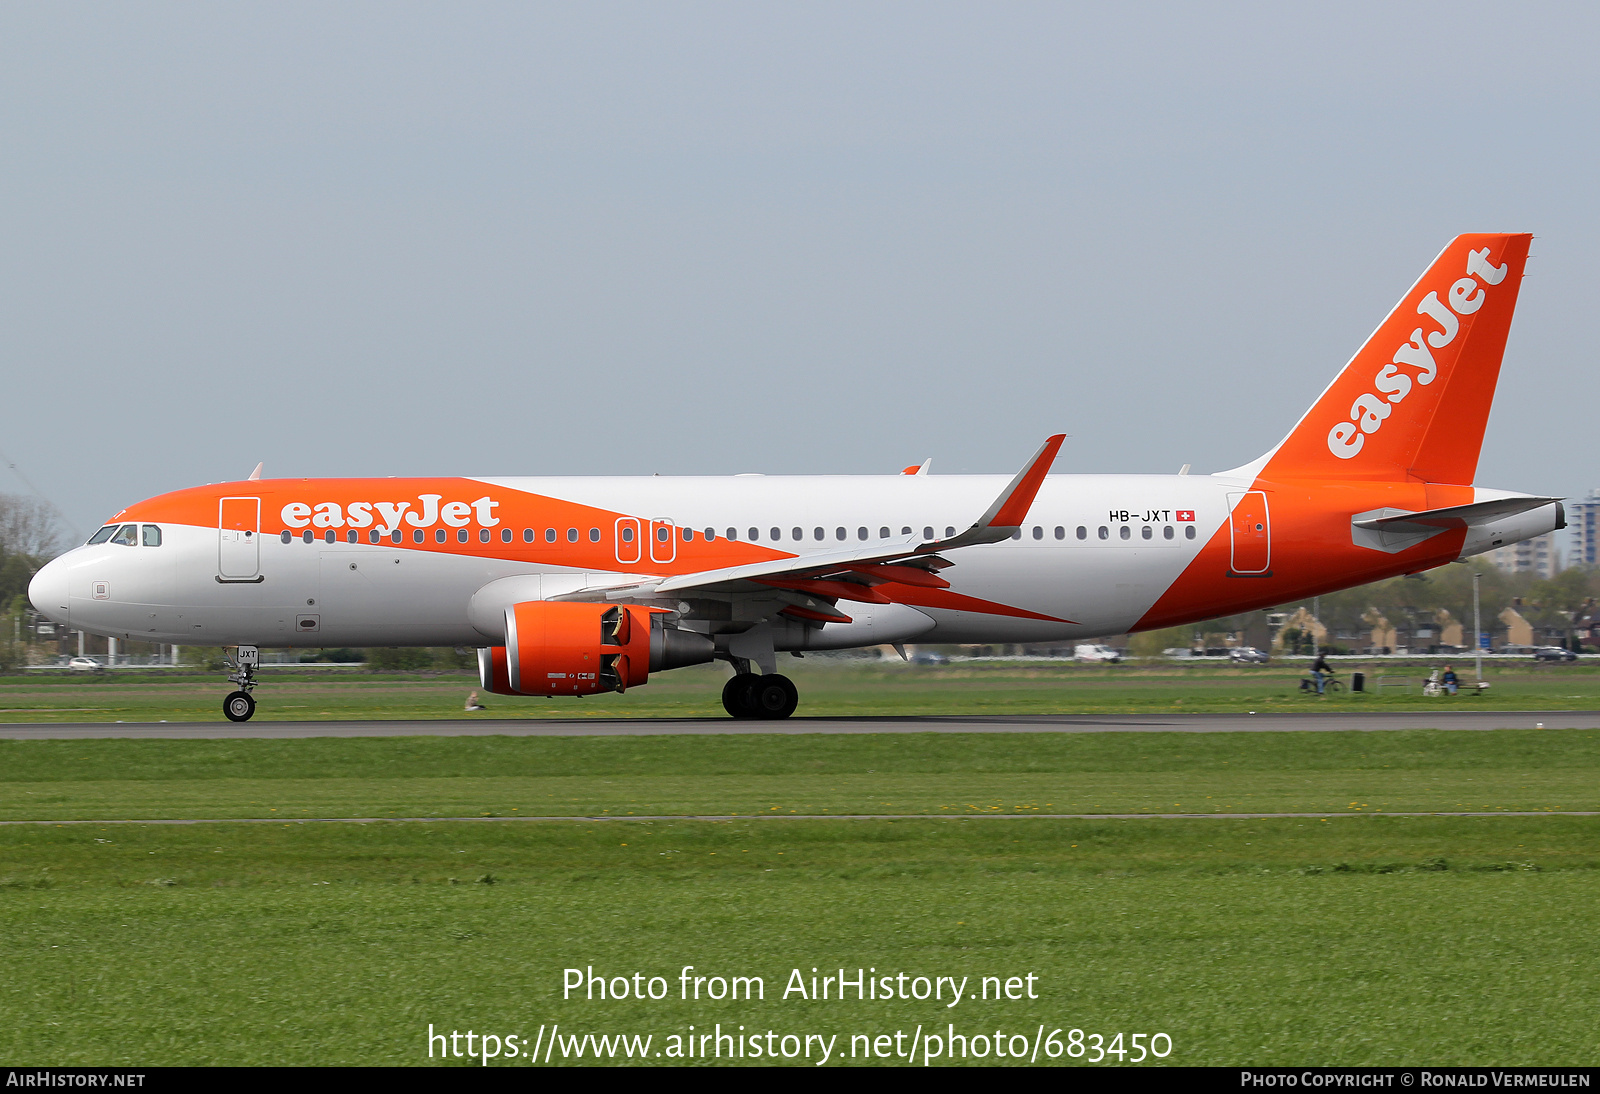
[128, 535]
[505, 535]
[102, 535]
[777, 534]
[438, 535]
[711, 535]
[1038, 532]
[305, 537]
[627, 533]
[572, 535]
[688, 535]
[927, 533]
[662, 535]
[396, 536]
[1166, 533]
[1146, 532]
[797, 534]
[352, 536]
[905, 531]
[1125, 532]
[416, 537]
[287, 535]
[330, 536]
[594, 535]
[733, 533]
[549, 535]
[1083, 533]
[883, 533]
[1017, 534]
[755, 534]
[1188, 533]
[861, 533]
[818, 534]
[1104, 534]
[527, 535]
[838, 533]
[1061, 533]
[948, 532]
[374, 535]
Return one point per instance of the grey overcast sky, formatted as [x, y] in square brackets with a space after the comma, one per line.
[382, 239]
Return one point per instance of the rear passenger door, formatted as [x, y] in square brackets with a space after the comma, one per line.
[1251, 529]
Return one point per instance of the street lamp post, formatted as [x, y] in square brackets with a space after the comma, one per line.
[1477, 628]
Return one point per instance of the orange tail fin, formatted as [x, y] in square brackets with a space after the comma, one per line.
[1414, 401]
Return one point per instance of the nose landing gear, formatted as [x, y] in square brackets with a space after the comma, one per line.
[239, 705]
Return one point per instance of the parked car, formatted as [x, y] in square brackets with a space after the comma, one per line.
[85, 664]
[1553, 653]
[1248, 655]
[1096, 653]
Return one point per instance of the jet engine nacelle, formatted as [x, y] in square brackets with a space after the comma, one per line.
[581, 649]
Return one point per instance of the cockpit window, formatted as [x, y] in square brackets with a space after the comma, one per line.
[152, 535]
[102, 535]
[127, 535]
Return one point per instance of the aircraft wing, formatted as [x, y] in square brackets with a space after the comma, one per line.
[849, 573]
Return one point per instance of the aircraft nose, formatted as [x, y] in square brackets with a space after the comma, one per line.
[48, 591]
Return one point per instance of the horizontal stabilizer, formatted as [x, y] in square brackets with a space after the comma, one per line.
[1456, 516]
[1394, 530]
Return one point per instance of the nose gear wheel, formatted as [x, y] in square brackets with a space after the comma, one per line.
[239, 706]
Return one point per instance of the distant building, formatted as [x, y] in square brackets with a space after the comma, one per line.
[1519, 632]
[1537, 556]
[1583, 516]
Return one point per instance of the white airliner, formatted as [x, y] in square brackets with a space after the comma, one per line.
[571, 586]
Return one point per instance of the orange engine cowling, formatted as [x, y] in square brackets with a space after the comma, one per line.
[568, 649]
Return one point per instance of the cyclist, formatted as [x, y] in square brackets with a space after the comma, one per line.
[1321, 670]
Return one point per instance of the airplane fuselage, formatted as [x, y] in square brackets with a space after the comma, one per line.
[395, 562]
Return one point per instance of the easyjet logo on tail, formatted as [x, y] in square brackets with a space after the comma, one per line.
[387, 515]
[1369, 411]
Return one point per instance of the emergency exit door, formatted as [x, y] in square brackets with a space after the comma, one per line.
[1252, 533]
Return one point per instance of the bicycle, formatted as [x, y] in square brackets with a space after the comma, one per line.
[1330, 683]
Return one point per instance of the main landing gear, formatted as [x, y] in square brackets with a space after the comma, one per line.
[239, 705]
[749, 695]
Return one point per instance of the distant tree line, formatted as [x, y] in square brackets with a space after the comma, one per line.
[29, 538]
[1550, 604]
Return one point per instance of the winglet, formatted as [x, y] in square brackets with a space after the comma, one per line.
[1010, 509]
[255, 476]
[919, 469]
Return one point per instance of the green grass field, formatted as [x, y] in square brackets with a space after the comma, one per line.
[1365, 940]
[1361, 939]
[940, 774]
[827, 688]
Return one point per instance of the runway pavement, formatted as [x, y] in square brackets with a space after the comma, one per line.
[643, 727]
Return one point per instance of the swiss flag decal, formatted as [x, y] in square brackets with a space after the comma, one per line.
[1185, 514]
